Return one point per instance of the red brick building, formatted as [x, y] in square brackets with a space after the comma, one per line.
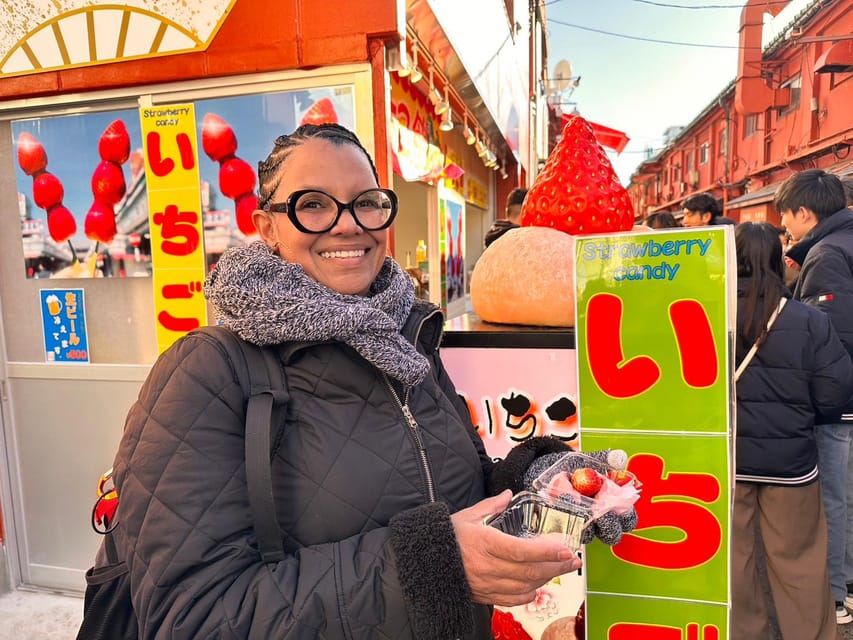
[788, 109]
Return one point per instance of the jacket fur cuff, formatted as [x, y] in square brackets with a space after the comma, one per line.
[431, 572]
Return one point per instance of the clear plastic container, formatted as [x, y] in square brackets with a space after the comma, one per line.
[529, 514]
[558, 504]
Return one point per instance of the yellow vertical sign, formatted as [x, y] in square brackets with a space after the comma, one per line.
[174, 210]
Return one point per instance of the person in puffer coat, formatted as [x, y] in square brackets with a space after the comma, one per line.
[800, 369]
[380, 481]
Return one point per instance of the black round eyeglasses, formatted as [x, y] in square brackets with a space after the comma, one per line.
[313, 211]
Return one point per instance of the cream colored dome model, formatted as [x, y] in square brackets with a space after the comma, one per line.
[53, 34]
[526, 277]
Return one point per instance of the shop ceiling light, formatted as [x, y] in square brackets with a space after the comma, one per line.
[434, 94]
[442, 105]
[470, 138]
[395, 59]
[446, 123]
[480, 148]
[416, 75]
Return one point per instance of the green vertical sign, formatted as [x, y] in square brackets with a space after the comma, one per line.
[654, 318]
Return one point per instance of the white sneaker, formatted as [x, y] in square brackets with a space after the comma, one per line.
[848, 601]
[842, 616]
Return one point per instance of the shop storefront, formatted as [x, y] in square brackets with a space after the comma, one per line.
[106, 109]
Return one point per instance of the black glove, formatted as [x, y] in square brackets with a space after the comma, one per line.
[609, 527]
[511, 472]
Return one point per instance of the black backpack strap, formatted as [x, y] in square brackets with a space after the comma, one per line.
[265, 387]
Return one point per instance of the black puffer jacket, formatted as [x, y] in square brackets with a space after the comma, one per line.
[802, 368]
[369, 556]
[826, 281]
[498, 228]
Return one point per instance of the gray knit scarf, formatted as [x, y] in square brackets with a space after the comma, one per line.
[267, 300]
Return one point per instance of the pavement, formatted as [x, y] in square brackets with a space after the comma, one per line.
[39, 615]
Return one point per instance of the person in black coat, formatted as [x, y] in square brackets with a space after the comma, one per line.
[800, 369]
[813, 206]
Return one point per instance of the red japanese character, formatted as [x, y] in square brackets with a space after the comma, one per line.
[170, 322]
[614, 375]
[669, 500]
[178, 224]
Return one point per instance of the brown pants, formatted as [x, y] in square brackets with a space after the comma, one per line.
[792, 528]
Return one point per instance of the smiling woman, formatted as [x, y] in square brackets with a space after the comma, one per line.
[380, 481]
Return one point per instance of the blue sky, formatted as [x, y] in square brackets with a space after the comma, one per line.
[642, 87]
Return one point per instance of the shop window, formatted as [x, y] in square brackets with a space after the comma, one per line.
[86, 221]
[795, 85]
[750, 124]
[704, 153]
[840, 78]
[104, 149]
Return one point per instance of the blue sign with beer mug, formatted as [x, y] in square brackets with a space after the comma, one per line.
[64, 325]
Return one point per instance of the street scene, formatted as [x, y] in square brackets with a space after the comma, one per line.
[427, 319]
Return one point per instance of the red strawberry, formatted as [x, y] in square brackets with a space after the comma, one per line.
[246, 205]
[586, 481]
[506, 627]
[620, 476]
[236, 177]
[61, 224]
[578, 191]
[100, 224]
[31, 155]
[217, 138]
[108, 183]
[321, 112]
[47, 190]
[114, 143]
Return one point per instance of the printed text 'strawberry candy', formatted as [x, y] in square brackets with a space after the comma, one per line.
[578, 191]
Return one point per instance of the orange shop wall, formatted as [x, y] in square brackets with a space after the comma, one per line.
[254, 37]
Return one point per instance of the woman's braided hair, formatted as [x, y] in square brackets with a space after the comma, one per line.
[269, 170]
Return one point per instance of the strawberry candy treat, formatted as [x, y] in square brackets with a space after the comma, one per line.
[525, 276]
[592, 482]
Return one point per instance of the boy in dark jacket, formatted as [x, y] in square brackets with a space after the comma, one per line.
[812, 204]
[800, 368]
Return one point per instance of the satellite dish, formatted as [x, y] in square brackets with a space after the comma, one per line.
[562, 75]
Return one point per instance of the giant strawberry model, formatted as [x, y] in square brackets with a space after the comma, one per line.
[525, 276]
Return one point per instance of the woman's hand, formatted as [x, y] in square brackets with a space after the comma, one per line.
[500, 568]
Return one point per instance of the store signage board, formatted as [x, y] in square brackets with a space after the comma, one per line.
[654, 317]
[63, 319]
[514, 394]
[172, 173]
